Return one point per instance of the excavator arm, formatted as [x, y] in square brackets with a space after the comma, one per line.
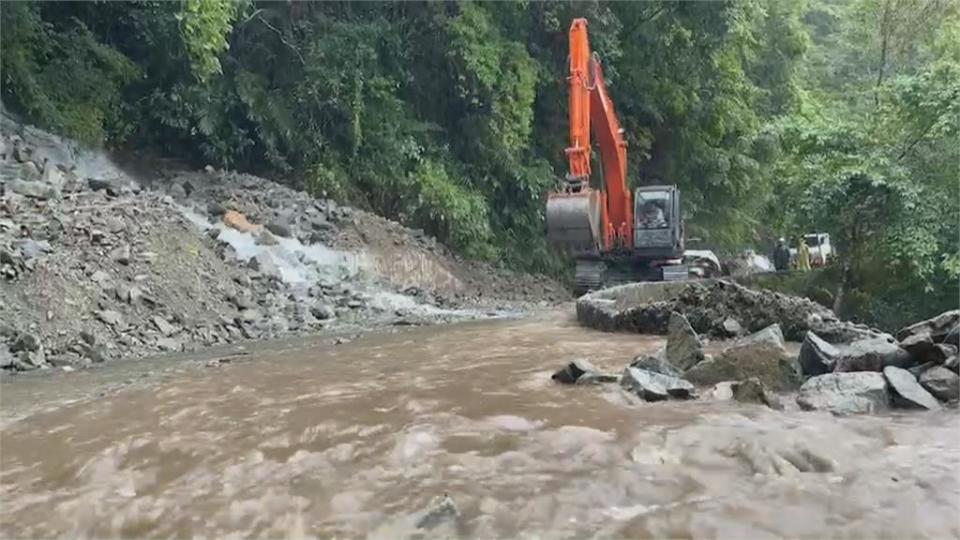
[579, 218]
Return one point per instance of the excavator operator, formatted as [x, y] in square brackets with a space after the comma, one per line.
[651, 216]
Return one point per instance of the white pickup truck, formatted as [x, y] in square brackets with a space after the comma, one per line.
[821, 251]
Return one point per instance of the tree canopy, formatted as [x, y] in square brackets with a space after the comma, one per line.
[773, 117]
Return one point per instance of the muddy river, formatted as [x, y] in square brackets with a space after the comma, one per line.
[355, 440]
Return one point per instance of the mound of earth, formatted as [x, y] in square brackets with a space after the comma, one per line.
[96, 264]
[717, 308]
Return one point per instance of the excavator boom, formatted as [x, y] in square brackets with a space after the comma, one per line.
[581, 219]
[608, 230]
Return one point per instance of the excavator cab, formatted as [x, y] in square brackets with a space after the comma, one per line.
[658, 229]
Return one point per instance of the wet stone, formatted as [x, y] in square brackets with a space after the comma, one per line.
[652, 386]
[942, 383]
[906, 391]
[845, 393]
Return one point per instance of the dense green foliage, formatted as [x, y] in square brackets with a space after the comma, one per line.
[773, 117]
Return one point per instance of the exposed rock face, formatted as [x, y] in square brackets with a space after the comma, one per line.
[906, 392]
[684, 349]
[760, 355]
[845, 393]
[872, 355]
[652, 386]
[817, 356]
[942, 383]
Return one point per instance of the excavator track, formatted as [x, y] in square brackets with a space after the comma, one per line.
[588, 276]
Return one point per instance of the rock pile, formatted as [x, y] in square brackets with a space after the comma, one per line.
[865, 375]
[919, 371]
[716, 308]
[96, 266]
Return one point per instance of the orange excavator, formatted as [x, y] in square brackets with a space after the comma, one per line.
[614, 235]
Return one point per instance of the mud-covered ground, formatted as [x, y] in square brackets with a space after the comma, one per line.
[100, 263]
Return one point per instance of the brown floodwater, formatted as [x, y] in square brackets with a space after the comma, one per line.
[355, 440]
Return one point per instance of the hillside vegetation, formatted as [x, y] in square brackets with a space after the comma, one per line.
[774, 117]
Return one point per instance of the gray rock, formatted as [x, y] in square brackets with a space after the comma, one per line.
[684, 349]
[872, 355]
[242, 301]
[916, 371]
[722, 391]
[123, 292]
[266, 238]
[753, 391]
[169, 344]
[938, 327]
[163, 326]
[845, 393]
[115, 225]
[652, 386]
[134, 295]
[263, 263]
[942, 383]
[109, 317]
[322, 312]
[216, 210]
[35, 358]
[946, 351]
[30, 171]
[279, 229]
[732, 327]
[817, 356]
[7, 359]
[121, 254]
[100, 277]
[25, 342]
[113, 188]
[655, 364]
[88, 338]
[953, 336]
[761, 355]
[441, 510]
[34, 190]
[576, 371]
[249, 315]
[952, 363]
[906, 391]
[31, 249]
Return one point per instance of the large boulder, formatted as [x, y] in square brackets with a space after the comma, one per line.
[953, 336]
[35, 190]
[760, 355]
[872, 354]
[938, 327]
[581, 371]
[817, 356]
[753, 391]
[942, 383]
[684, 349]
[922, 349]
[652, 386]
[845, 393]
[655, 364]
[906, 392]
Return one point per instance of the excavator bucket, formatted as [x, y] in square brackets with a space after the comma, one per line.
[573, 221]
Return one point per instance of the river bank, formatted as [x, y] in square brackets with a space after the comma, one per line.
[100, 263]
